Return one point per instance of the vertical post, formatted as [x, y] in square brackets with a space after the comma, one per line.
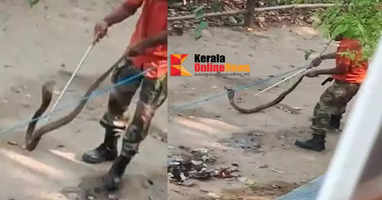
[250, 7]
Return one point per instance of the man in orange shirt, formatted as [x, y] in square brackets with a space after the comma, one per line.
[148, 50]
[349, 73]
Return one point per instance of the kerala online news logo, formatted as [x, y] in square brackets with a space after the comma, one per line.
[176, 65]
[206, 65]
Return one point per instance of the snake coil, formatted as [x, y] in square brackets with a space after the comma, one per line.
[32, 136]
[231, 98]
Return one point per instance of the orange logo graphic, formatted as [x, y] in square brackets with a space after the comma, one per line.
[176, 65]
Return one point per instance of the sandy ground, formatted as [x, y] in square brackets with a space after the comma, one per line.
[46, 43]
[278, 166]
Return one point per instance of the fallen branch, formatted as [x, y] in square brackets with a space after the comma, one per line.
[235, 12]
[315, 5]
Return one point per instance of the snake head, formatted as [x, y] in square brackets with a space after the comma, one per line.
[50, 85]
[230, 93]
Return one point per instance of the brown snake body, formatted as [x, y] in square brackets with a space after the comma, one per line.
[32, 136]
[278, 99]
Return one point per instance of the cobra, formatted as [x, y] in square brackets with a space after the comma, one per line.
[33, 137]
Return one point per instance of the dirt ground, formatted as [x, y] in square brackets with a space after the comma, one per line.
[46, 43]
[277, 166]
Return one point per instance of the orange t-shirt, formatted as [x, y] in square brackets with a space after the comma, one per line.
[152, 21]
[357, 68]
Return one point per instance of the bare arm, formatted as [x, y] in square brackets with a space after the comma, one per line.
[328, 56]
[330, 71]
[140, 47]
[317, 61]
[318, 72]
[161, 38]
[118, 15]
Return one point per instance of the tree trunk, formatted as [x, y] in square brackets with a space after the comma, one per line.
[249, 15]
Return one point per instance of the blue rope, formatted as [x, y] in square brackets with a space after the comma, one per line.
[181, 107]
[75, 103]
[129, 80]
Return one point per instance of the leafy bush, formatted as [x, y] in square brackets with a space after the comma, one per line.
[199, 15]
[355, 19]
[33, 2]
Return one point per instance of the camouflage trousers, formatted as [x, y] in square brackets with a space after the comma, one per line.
[152, 95]
[332, 103]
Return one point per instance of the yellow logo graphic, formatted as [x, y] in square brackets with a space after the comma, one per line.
[176, 68]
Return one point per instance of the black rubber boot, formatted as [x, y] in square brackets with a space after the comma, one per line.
[112, 179]
[335, 121]
[107, 151]
[317, 143]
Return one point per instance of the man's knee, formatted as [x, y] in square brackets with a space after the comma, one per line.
[125, 82]
[138, 128]
[133, 134]
[145, 112]
[121, 96]
[322, 117]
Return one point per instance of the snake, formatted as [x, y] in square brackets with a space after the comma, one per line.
[33, 136]
[231, 93]
[278, 99]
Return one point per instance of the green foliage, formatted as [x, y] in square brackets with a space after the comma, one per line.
[199, 15]
[355, 19]
[217, 6]
[349, 54]
[32, 2]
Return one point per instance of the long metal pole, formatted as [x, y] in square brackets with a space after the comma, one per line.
[83, 59]
[282, 81]
[293, 75]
